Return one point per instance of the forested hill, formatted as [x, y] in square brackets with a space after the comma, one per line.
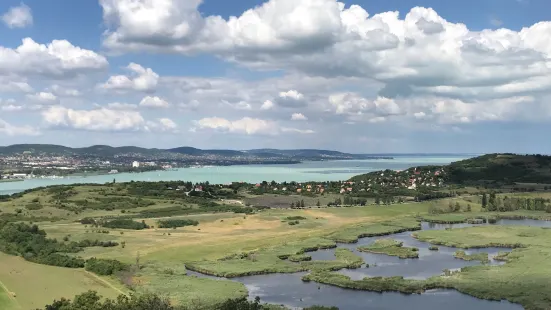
[106, 151]
[505, 168]
[485, 169]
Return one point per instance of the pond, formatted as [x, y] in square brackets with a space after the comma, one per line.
[290, 290]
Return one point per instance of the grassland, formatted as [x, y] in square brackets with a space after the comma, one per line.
[482, 257]
[31, 285]
[390, 247]
[230, 244]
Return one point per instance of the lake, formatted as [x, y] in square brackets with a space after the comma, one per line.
[290, 290]
[306, 171]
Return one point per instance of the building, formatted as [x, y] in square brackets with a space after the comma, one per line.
[135, 164]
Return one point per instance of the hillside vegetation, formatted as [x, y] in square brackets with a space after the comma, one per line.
[491, 169]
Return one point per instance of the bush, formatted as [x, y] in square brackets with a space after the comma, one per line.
[177, 223]
[292, 223]
[104, 267]
[295, 218]
[125, 224]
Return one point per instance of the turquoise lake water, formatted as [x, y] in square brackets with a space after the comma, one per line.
[306, 171]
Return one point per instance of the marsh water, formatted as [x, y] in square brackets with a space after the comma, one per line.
[290, 290]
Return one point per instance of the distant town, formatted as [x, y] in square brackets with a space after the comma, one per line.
[52, 161]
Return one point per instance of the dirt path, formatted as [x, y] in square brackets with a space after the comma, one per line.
[105, 282]
[3, 286]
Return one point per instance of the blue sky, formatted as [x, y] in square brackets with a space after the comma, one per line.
[441, 76]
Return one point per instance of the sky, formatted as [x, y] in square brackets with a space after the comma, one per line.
[362, 76]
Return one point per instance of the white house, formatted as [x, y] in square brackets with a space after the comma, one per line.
[135, 164]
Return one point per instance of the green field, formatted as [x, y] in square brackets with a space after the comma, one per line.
[31, 285]
[235, 244]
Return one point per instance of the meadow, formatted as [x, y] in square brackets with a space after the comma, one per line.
[236, 244]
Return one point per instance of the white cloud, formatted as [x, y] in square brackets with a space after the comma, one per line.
[94, 120]
[298, 117]
[326, 38]
[154, 102]
[43, 97]
[63, 91]
[13, 130]
[58, 59]
[18, 17]
[246, 125]
[290, 99]
[240, 105]
[10, 86]
[163, 125]
[296, 130]
[122, 106]
[142, 79]
[352, 103]
[11, 108]
[267, 105]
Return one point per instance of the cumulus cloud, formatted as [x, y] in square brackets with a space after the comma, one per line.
[7, 85]
[290, 99]
[246, 125]
[43, 97]
[351, 103]
[298, 117]
[63, 91]
[58, 59]
[141, 79]
[154, 102]
[327, 38]
[267, 105]
[13, 130]
[18, 17]
[121, 106]
[103, 119]
[163, 125]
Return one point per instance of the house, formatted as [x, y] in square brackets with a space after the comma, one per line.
[299, 190]
[342, 190]
[135, 164]
[198, 189]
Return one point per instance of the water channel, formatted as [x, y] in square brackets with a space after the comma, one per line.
[291, 291]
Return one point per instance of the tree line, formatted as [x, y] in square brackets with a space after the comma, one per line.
[150, 301]
[492, 202]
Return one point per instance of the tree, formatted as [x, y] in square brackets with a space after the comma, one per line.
[292, 205]
[377, 200]
[457, 207]
[318, 203]
[302, 204]
[484, 201]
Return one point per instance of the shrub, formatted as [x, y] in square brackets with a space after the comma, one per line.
[104, 267]
[125, 224]
[177, 223]
[295, 218]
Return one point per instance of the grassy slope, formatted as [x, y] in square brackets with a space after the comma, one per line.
[34, 284]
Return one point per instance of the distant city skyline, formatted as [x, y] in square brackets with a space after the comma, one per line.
[397, 76]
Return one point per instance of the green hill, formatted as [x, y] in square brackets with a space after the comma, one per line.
[487, 169]
[502, 168]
